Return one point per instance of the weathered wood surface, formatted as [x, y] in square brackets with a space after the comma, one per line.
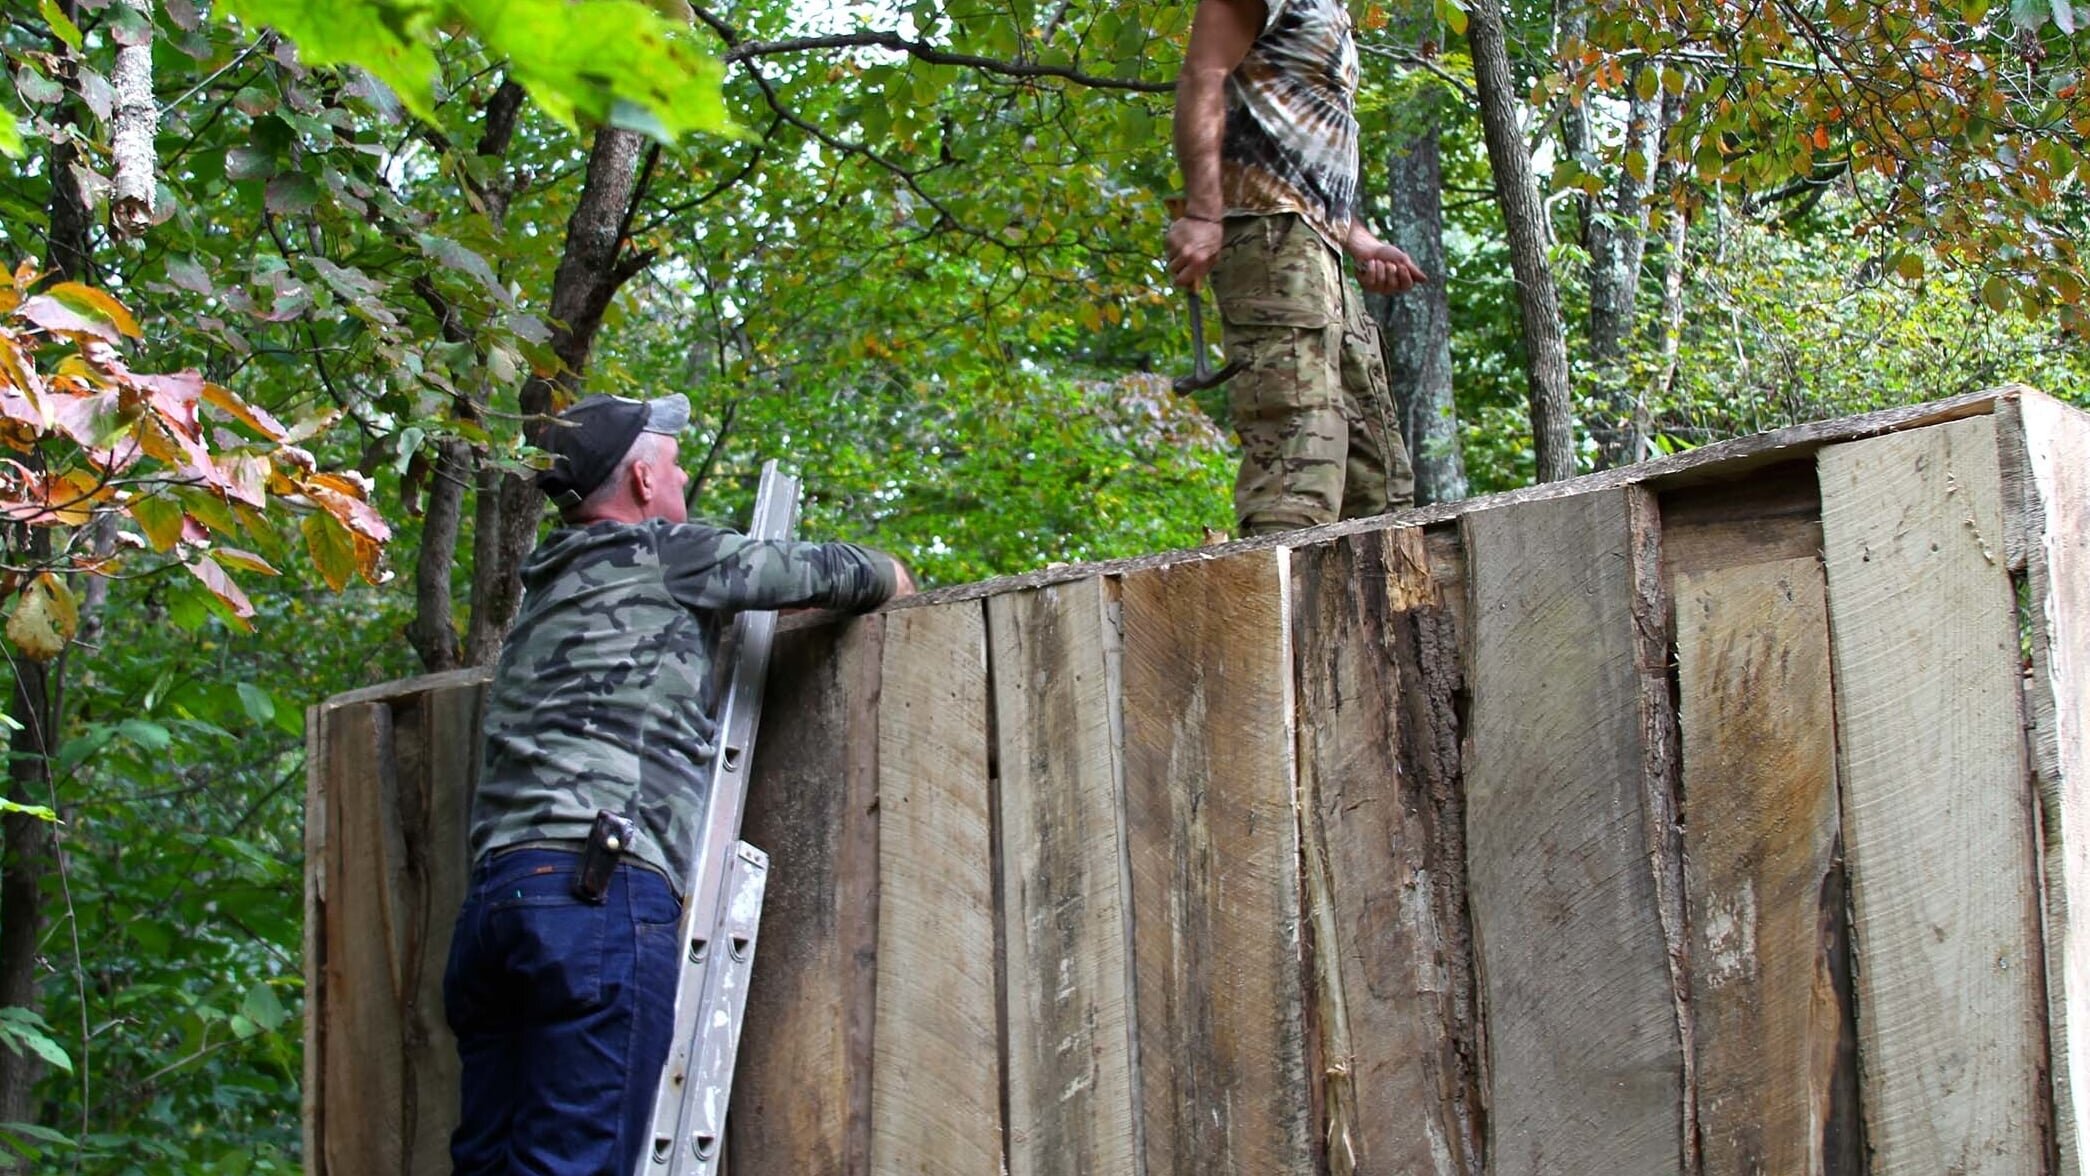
[1937, 808]
[1777, 1080]
[1585, 1057]
[1066, 920]
[802, 1094]
[1378, 668]
[2046, 480]
[1212, 840]
[385, 872]
[936, 1057]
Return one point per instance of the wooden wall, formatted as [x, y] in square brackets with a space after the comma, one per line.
[1720, 815]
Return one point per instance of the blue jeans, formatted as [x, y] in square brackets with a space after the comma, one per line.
[562, 1011]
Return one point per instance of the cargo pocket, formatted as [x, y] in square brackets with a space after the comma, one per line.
[1274, 271]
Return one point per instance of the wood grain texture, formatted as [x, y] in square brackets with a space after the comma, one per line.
[1776, 1052]
[802, 1091]
[1214, 857]
[2046, 446]
[936, 1068]
[1937, 809]
[1586, 1059]
[1066, 922]
[386, 869]
[1384, 855]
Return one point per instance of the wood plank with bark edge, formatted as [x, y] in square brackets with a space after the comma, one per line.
[1937, 808]
[1776, 1063]
[392, 815]
[802, 1090]
[1586, 1059]
[936, 1068]
[1065, 917]
[1214, 857]
[1385, 872]
[2045, 447]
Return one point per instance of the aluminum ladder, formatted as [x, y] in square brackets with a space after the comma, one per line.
[724, 897]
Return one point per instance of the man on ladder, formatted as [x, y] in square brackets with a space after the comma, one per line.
[601, 724]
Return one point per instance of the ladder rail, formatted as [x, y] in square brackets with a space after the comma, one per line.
[723, 895]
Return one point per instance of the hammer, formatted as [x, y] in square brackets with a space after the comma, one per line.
[1202, 376]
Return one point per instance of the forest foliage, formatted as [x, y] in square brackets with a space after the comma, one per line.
[262, 429]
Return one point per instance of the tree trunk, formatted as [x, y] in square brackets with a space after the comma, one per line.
[29, 845]
[1416, 326]
[1616, 245]
[433, 632]
[131, 130]
[1675, 230]
[589, 275]
[1524, 215]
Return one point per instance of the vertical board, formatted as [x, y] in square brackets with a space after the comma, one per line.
[936, 1065]
[802, 1088]
[386, 870]
[1937, 810]
[1214, 863]
[1385, 871]
[1775, 1064]
[2052, 480]
[1586, 1060]
[1062, 810]
[362, 1070]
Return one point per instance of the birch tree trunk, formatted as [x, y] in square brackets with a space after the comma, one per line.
[1524, 215]
[131, 129]
[1617, 243]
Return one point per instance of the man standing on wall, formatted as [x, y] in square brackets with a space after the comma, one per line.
[1266, 136]
[561, 986]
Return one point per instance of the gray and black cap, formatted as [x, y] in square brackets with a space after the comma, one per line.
[588, 440]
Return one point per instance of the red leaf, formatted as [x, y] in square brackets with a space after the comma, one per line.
[221, 586]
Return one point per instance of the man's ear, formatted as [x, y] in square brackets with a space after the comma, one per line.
[642, 488]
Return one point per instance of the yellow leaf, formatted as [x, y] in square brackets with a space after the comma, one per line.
[45, 618]
[89, 300]
[1910, 267]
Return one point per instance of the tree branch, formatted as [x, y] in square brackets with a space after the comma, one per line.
[867, 39]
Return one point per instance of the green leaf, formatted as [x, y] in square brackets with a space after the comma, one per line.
[1453, 14]
[159, 517]
[67, 31]
[580, 58]
[392, 39]
[10, 135]
[146, 734]
[263, 1008]
[290, 194]
[41, 812]
[259, 704]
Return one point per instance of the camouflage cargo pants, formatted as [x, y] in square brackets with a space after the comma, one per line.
[1312, 408]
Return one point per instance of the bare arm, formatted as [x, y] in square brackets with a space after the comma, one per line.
[1221, 32]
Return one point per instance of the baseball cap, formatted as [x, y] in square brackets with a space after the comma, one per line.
[588, 440]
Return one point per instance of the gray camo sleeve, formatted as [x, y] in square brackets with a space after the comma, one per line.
[720, 570]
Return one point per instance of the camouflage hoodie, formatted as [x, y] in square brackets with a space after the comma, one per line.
[606, 695]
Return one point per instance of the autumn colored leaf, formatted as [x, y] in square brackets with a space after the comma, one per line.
[158, 517]
[332, 547]
[44, 618]
[221, 586]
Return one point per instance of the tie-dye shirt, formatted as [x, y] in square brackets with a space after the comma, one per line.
[1291, 123]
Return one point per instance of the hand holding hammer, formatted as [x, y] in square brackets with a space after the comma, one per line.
[1193, 246]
